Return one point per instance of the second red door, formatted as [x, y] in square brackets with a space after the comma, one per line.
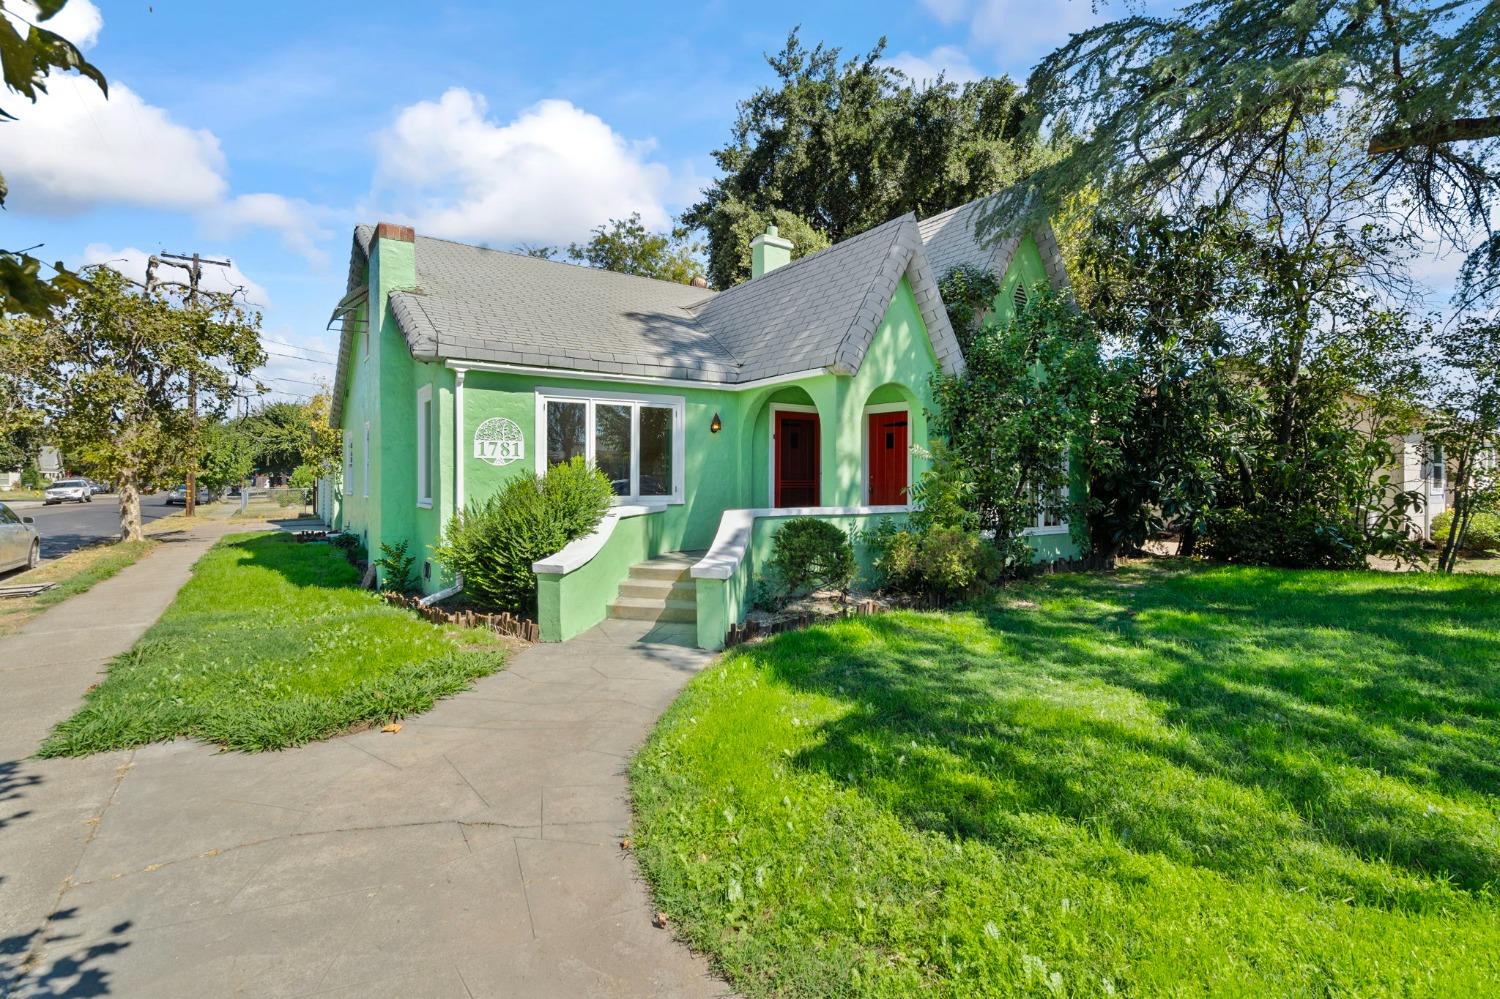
[888, 458]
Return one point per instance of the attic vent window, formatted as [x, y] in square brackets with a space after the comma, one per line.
[1020, 298]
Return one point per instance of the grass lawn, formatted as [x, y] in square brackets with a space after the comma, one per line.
[1163, 782]
[19, 495]
[73, 573]
[270, 644]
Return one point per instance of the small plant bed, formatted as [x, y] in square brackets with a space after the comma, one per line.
[1161, 781]
[272, 644]
[501, 623]
[73, 573]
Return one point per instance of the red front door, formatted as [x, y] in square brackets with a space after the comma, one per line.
[796, 453]
[888, 459]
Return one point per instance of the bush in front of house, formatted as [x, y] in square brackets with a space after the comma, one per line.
[1484, 531]
[494, 543]
[807, 553]
[944, 562]
[1299, 538]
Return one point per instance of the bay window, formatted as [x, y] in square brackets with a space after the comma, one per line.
[636, 441]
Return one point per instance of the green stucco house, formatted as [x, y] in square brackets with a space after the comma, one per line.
[807, 390]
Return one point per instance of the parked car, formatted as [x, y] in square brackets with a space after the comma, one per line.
[96, 487]
[20, 545]
[68, 490]
[177, 495]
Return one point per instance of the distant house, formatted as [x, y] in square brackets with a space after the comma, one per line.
[805, 390]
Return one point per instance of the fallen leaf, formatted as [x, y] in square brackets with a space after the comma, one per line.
[659, 920]
[625, 844]
[392, 727]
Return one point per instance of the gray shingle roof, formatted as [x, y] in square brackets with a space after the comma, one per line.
[950, 239]
[817, 313]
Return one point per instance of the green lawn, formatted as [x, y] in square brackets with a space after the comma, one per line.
[1162, 782]
[270, 644]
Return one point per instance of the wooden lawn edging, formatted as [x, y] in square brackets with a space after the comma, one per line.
[503, 623]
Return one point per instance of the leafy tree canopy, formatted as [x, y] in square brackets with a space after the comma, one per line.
[116, 379]
[846, 145]
[1208, 104]
[29, 51]
[627, 246]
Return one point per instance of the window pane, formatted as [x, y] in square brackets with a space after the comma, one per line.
[656, 451]
[567, 431]
[612, 445]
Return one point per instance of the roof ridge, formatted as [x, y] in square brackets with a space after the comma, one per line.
[876, 276]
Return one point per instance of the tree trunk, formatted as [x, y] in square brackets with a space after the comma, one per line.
[130, 507]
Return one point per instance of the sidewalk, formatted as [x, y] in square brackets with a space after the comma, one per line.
[475, 853]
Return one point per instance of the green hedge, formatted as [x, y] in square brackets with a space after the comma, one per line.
[1484, 531]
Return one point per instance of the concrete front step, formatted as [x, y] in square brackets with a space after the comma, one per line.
[659, 590]
[647, 609]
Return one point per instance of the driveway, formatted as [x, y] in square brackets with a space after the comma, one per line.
[474, 853]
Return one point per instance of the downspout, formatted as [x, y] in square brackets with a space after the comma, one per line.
[458, 479]
[458, 440]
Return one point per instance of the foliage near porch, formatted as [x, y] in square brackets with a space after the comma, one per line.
[1224, 781]
[272, 644]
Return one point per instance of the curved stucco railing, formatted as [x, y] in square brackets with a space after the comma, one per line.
[578, 553]
[722, 576]
[574, 586]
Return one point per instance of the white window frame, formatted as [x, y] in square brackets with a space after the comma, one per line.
[1039, 526]
[424, 447]
[367, 460]
[348, 483]
[864, 447]
[635, 400]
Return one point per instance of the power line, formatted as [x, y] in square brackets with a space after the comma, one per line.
[298, 346]
[295, 357]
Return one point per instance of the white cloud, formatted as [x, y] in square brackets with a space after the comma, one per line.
[131, 262]
[74, 149]
[1019, 33]
[548, 176]
[949, 61]
[947, 11]
[297, 221]
[79, 22]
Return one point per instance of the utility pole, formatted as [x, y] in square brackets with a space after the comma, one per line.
[193, 264]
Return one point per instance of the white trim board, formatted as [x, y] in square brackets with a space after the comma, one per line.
[598, 376]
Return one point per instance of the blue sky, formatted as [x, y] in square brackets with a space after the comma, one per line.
[265, 132]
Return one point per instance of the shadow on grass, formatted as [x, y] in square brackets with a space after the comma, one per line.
[1339, 732]
[314, 563]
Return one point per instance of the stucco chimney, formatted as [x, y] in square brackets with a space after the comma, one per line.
[768, 252]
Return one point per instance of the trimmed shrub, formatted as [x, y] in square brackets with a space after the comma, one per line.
[494, 543]
[806, 552]
[944, 562]
[1484, 531]
[395, 565]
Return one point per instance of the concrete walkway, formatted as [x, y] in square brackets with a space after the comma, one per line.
[474, 853]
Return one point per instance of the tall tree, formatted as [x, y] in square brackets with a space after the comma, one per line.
[116, 382]
[1201, 104]
[627, 246]
[29, 52]
[1163, 291]
[847, 144]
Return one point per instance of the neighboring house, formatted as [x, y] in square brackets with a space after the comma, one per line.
[1420, 468]
[805, 390]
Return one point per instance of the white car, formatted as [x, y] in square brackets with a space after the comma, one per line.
[68, 490]
[20, 547]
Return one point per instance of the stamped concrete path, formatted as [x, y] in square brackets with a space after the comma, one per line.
[474, 853]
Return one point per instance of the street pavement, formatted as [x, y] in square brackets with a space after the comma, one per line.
[67, 527]
[477, 852]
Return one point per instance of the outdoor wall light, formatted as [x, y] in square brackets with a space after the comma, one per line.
[715, 425]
